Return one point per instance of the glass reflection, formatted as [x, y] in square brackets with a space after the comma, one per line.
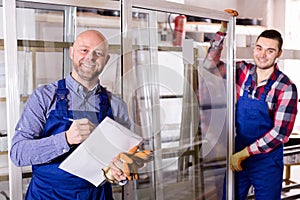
[189, 104]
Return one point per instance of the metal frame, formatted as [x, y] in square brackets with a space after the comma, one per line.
[12, 94]
[231, 68]
[155, 100]
[178, 8]
[104, 4]
[69, 36]
[126, 60]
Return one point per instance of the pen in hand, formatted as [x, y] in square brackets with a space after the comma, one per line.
[69, 119]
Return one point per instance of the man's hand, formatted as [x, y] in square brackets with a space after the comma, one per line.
[113, 173]
[126, 165]
[133, 161]
[237, 158]
[232, 12]
[79, 131]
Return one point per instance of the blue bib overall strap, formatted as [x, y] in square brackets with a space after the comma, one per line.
[61, 95]
[263, 171]
[50, 182]
[61, 111]
[105, 108]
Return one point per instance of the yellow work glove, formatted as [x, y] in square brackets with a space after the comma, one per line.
[108, 175]
[237, 158]
[233, 13]
[132, 161]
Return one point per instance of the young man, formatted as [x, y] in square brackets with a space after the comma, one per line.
[44, 138]
[265, 114]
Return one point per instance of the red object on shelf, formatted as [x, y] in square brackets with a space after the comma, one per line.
[179, 30]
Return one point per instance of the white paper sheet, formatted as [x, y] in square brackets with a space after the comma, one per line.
[107, 140]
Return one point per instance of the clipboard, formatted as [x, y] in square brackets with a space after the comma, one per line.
[106, 141]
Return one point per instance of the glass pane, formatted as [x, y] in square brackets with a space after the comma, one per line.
[40, 34]
[183, 121]
[108, 23]
[42, 49]
[40, 41]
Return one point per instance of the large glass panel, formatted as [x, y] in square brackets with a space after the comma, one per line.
[108, 23]
[164, 98]
[44, 34]
[180, 107]
[40, 35]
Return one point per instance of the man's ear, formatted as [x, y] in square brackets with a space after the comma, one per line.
[279, 53]
[71, 52]
[278, 56]
[107, 59]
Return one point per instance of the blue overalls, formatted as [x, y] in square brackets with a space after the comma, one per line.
[50, 182]
[263, 171]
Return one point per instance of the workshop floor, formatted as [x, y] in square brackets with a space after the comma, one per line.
[295, 177]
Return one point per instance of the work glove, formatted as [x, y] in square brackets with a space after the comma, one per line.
[233, 13]
[109, 177]
[131, 161]
[237, 158]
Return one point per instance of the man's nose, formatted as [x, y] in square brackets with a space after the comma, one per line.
[263, 53]
[91, 56]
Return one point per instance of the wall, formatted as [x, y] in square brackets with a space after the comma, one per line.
[282, 15]
[213, 4]
[292, 25]
[246, 8]
[262, 9]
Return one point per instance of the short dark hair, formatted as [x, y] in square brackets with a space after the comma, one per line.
[272, 34]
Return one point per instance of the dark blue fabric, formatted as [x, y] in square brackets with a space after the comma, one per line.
[50, 182]
[263, 171]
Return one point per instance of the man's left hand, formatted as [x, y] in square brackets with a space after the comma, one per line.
[237, 158]
[125, 165]
[232, 12]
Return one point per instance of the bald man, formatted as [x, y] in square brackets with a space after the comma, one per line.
[43, 138]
